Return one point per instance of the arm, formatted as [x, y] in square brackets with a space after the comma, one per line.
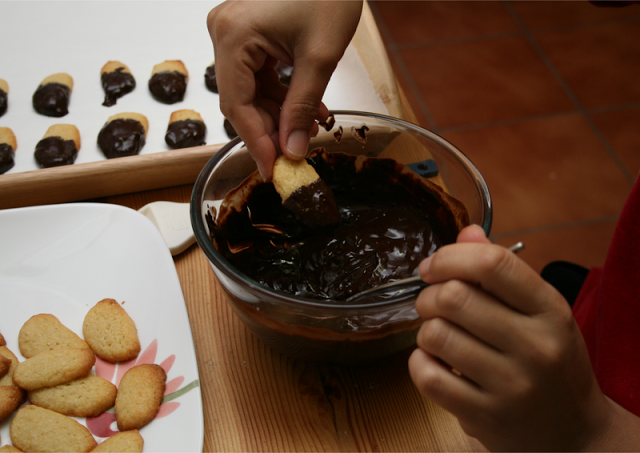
[526, 379]
[249, 38]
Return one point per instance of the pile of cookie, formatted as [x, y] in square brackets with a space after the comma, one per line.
[122, 135]
[57, 381]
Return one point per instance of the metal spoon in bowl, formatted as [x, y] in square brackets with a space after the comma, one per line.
[407, 282]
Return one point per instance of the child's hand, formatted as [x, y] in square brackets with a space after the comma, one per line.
[526, 379]
[249, 38]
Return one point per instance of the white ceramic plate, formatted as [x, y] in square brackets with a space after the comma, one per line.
[63, 259]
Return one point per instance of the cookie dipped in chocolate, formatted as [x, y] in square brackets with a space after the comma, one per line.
[168, 87]
[121, 137]
[116, 84]
[390, 220]
[185, 134]
[304, 193]
[210, 79]
[55, 152]
[52, 99]
[7, 156]
[229, 129]
[3, 102]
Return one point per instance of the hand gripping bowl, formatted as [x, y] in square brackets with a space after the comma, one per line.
[310, 328]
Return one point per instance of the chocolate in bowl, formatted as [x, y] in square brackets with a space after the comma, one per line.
[390, 220]
[311, 328]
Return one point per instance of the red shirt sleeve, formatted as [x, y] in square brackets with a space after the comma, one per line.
[608, 311]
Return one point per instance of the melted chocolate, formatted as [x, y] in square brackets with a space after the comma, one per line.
[6, 158]
[115, 85]
[314, 205]
[52, 99]
[210, 79]
[389, 222]
[185, 134]
[55, 152]
[121, 137]
[168, 86]
[228, 128]
[3, 102]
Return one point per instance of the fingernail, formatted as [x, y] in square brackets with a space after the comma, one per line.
[423, 267]
[298, 142]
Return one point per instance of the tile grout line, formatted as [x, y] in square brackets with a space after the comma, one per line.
[527, 33]
[393, 49]
[555, 227]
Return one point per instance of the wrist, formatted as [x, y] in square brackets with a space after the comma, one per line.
[616, 430]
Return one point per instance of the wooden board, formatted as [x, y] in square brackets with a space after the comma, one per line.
[166, 169]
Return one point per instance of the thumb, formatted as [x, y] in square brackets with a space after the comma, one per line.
[302, 106]
[473, 233]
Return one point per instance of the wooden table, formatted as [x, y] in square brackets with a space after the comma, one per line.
[256, 399]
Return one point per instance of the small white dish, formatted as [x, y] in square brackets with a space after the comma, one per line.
[62, 260]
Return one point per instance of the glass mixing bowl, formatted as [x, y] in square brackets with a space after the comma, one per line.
[311, 329]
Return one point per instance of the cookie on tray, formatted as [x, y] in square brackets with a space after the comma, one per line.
[37, 429]
[58, 147]
[168, 82]
[111, 332]
[52, 96]
[117, 80]
[186, 129]
[8, 146]
[139, 396]
[53, 367]
[4, 96]
[210, 79]
[126, 441]
[229, 129]
[124, 134]
[44, 332]
[87, 396]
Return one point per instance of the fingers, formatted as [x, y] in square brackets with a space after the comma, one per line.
[477, 361]
[474, 310]
[495, 270]
[473, 233]
[436, 381]
[303, 106]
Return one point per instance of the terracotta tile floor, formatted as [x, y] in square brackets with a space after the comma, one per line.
[543, 96]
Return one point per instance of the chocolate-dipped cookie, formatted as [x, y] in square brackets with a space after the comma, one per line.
[124, 134]
[59, 146]
[228, 128]
[304, 193]
[186, 129]
[117, 81]
[8, 146]
[4, 95]
[52, 96]
[210, 78]
[168, 82]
